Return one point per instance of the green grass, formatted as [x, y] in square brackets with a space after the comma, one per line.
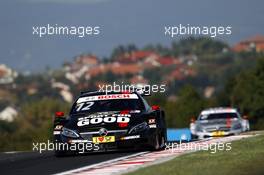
[245, 158]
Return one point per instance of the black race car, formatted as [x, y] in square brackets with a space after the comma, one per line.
[100, 121]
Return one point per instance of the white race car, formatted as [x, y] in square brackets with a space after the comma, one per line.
[215, 122]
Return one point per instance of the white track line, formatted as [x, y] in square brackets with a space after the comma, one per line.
[15, 152]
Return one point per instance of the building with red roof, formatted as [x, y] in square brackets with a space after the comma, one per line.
[253, 43]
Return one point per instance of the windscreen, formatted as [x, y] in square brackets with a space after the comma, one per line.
[107, 103]
[218, 116]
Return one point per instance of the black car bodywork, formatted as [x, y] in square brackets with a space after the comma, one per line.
[111, 121]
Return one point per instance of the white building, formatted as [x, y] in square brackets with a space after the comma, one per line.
[8, 114]
[7, 75]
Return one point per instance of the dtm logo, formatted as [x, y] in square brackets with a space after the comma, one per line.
[118, 118]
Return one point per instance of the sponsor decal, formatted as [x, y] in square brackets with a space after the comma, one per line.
[123, 124]
[56, 132]
[104, 139]
[151, 121]
[124, 112]
[153, 126]
[58, 127]
[97, 119]
[218, 133]
[135, 111]
[79, 141]
[130, 137]
[107, 97]
[228, 122]
[216, 111]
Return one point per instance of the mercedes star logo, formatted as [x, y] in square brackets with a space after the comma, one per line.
[102, 132]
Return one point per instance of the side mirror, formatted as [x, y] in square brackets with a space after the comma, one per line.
[59, 114]
[155, 107]
[192, 120]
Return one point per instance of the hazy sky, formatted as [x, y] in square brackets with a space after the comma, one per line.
[122, 21]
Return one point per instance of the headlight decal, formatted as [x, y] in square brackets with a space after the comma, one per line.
[69, 133]
[139, 127]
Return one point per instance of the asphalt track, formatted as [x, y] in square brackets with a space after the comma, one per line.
[46, 163]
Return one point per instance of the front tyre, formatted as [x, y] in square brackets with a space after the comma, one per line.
[158, 142]
[162, 142]
[155, 145]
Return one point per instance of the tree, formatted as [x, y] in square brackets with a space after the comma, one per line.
[189, 104]
[248, 93]
[198, 45]
[33, 124]
[120, 50]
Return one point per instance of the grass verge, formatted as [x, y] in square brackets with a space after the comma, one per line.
[245, 158]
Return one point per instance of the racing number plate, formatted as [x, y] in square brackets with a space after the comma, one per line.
[218, 133]
[104, 139]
